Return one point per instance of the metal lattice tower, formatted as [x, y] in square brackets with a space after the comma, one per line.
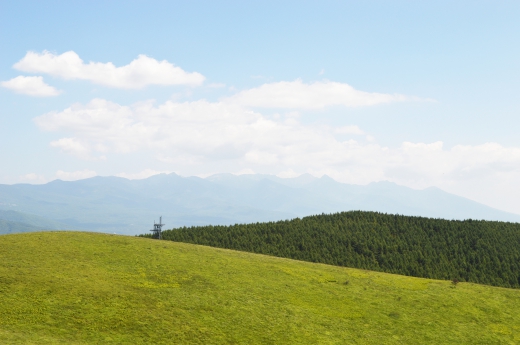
[157, 228]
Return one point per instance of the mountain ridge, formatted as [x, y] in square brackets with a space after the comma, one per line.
[116, 204]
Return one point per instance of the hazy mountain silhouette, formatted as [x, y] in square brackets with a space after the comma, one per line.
[13, 221]
[115, 204]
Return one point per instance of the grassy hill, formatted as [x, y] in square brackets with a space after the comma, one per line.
[87, 288]
[477, 251]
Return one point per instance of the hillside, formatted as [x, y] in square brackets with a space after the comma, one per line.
[117, 205]
[86, 288]
[482, 252]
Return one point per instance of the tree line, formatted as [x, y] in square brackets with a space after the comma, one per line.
[485, 252]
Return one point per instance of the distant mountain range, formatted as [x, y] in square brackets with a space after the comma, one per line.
[118, 205]
[13, 222]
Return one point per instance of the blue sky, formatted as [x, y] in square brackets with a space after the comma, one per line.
[418, 93]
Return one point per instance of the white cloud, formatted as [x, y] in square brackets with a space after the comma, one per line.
[32, 178]
[317, 95]
[78, 148]
[143, 174]
[71, 146]
[75, 175]
[137, 74]
[349, 130]
[198, 128]
[220, 136]
[32, 86]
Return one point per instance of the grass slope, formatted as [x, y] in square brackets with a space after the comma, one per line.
[81, 288]
[481, 252]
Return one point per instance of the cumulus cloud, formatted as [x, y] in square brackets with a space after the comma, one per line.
[428, 164]
[32, 178]
[197, 128]
[75, 175]
[137, 74]
[71, 145]
[77, 147]
[299, 95]
[206, 133]
[32, 86]
[349, 130]
[221, 136]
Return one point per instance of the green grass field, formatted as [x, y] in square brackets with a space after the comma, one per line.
[86, 288]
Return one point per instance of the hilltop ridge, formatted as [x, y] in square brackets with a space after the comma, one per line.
[485, 252]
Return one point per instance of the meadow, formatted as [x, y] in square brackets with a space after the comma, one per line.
[91, 288]
[476, 251]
